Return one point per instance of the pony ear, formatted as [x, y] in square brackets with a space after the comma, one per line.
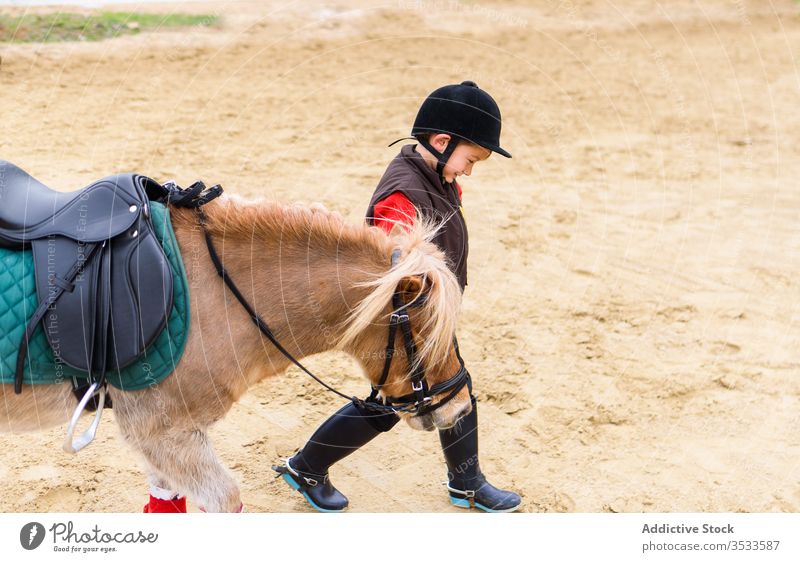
[410, 287]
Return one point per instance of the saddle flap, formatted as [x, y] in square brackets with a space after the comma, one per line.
[70, 336]
[141, 296]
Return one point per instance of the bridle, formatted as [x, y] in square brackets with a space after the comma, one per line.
[419, 402]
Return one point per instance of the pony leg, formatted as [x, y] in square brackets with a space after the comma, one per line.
[159, 481]
[193, 467]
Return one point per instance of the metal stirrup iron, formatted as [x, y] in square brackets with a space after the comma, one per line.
[74, 445]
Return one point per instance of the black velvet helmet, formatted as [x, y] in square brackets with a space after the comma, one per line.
[463, 111]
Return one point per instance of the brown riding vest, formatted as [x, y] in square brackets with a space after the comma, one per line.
[409, 174]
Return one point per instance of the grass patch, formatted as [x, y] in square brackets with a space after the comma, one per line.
[51, 28]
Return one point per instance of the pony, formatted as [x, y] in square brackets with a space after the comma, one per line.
[321, 284]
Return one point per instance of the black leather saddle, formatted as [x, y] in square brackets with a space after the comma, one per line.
[103, 283]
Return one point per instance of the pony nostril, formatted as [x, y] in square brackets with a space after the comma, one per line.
[464, 412]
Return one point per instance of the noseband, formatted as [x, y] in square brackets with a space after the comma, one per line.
[418, 402]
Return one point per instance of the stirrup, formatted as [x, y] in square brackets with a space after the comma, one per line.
[73, 445]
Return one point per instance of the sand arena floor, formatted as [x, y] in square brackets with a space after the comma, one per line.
[631, 321]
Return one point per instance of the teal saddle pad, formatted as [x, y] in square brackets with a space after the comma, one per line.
[18, 300]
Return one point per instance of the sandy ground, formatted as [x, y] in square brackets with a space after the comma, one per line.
[631, 321]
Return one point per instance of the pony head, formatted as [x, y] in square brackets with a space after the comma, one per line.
[429, 293]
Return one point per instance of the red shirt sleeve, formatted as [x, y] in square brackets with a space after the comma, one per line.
[396, 208]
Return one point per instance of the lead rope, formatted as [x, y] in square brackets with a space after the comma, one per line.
[254, 316]
[267, 331]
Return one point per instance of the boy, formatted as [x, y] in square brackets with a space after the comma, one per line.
[456, 127]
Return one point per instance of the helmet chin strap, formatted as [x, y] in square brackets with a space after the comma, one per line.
[441, 157]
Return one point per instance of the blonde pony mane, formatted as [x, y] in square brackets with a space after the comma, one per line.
[420, 257]
[233, 216]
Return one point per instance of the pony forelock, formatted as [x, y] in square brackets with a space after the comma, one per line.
[439, 310]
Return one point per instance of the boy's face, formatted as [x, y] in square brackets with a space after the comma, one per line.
[464, 157]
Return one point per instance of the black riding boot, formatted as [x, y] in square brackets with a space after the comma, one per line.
[466, 483]
[345, 431]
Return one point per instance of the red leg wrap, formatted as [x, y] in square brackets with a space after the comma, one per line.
[156, 505]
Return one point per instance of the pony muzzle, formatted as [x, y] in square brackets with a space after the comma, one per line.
[449, 415]
[443, 417]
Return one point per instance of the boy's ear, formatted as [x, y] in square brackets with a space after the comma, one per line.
[439, 141]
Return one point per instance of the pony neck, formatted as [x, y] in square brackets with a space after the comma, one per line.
[300, 268]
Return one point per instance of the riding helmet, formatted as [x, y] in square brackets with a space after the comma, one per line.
[463, 111]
